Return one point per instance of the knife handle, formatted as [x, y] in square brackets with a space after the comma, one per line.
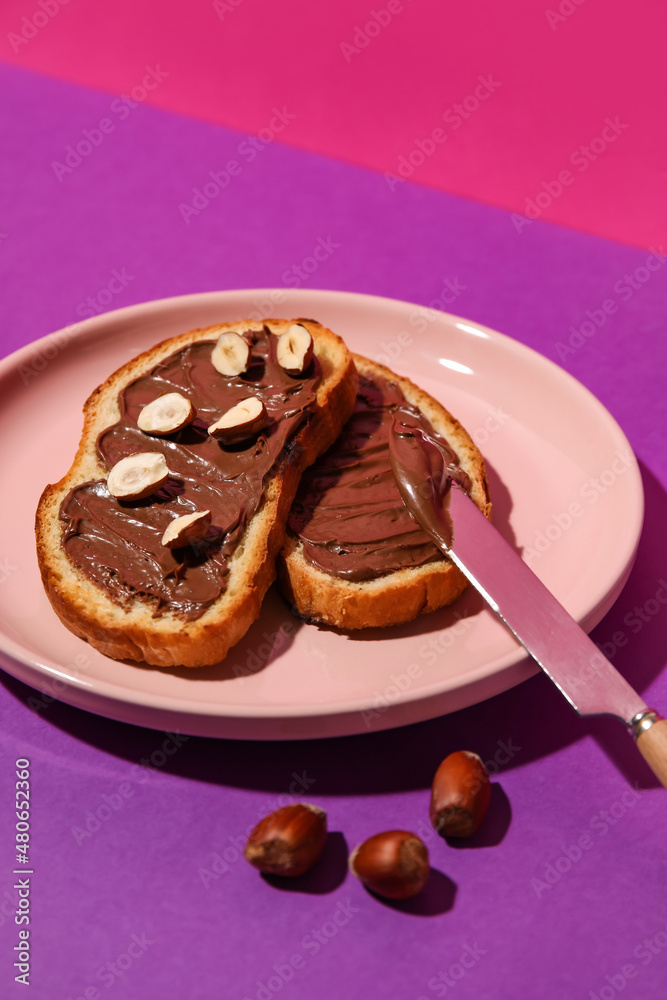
[650, 732]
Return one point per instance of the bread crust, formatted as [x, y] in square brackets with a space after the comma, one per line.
[131, 632]
[403, 595]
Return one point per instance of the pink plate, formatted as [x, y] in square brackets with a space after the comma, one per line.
[563, 480]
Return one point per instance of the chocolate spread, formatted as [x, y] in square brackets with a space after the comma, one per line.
[348, 510]
[117, 544]
[424, 479]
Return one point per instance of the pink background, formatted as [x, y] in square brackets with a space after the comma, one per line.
[560, 76]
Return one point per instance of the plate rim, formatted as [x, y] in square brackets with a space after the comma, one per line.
[515, 660]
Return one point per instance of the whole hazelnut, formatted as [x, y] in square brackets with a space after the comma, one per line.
[288, 841]
[392, 864]
[460, 795]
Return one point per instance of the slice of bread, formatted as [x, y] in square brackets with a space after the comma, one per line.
[134, 627]
[404, 593]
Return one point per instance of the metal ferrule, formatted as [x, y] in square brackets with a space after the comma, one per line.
[643, 721]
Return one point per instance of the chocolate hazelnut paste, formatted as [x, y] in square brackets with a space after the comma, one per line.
[348, 511]
[118, 544]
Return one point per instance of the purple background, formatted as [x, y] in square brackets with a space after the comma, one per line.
[149, 869]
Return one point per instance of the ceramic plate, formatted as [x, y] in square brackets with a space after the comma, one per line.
[564, 482]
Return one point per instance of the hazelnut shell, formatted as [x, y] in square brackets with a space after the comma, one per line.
[288, 841]
[393, 864]
[460, 795]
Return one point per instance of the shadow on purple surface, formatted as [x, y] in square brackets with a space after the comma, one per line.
[327, 875]
[437, 896]
[495, 826]
[524, 724]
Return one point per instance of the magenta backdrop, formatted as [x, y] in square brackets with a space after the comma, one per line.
[138, 890]
[536, 83]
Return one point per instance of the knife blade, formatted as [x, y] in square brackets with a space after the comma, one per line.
[580, 671]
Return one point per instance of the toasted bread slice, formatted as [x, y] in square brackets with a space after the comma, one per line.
[133, 626]
[403, 594]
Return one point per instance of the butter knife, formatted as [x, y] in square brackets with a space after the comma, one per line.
[541, 624]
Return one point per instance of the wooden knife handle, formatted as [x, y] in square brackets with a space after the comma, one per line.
[651, 735]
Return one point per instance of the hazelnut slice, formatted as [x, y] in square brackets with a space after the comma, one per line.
[460, 795]
[241, 422]
[187, 529]
[231, 354]
[166, 414]
[295, 349]
[392, 864]
[288, 841]
[138, 476]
